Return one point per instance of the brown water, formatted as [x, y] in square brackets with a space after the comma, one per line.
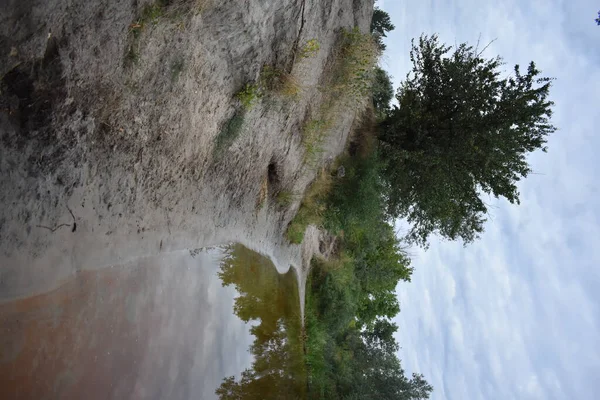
[176, 327]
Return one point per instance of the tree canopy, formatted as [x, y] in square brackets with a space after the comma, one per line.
[461, 131]
[381, 24]
[383, 92]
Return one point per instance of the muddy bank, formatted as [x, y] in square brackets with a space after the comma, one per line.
[109, 115]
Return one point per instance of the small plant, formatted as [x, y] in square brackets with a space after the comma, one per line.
[289, 86]
[312, 208]
[276, 80]
[153, 12]
[285, 198]
[249, 94]
[295, 230]
[310, 48]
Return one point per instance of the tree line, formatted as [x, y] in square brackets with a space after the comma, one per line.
[459, 133]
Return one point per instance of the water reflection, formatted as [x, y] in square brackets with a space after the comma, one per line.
[272, 301]
[160, 328]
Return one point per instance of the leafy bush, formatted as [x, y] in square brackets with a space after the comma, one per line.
[248, 95]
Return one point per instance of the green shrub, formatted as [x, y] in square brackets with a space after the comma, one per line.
[310, 48]
[275, 80]
[285, 198]
[248, 95]
[311, 208]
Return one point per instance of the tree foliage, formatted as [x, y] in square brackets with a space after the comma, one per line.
[350, 303]
[356, 207]
[381, 24]
[383, 92]
[461, 131]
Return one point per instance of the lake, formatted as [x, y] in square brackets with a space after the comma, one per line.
[202, 324]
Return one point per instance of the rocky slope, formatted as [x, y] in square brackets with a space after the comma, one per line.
[109, 115]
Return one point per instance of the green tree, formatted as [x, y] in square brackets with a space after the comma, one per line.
[383, 92]
[381, 24]
[378, 374]
[460, 131]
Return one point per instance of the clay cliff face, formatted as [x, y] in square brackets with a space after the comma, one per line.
[113, 116]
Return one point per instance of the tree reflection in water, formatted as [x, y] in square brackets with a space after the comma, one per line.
[271, 302]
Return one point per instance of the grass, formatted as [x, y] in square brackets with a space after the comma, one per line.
[348, 87]
[285, 198]
[249, 95]
[310, 48]
[314, 134]
[152, 14]
[230, 131]
[311, 209]
[354, 73]
[275, 80]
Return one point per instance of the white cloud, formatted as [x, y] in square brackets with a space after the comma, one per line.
[516, 314]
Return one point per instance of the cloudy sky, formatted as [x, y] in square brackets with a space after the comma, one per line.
[517, 314]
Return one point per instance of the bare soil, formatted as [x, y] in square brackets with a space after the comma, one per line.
[108, 130]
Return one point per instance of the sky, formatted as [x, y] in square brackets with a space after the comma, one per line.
[199, 340]
[515, 315]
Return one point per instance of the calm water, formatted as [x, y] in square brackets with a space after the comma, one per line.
[220, 323]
